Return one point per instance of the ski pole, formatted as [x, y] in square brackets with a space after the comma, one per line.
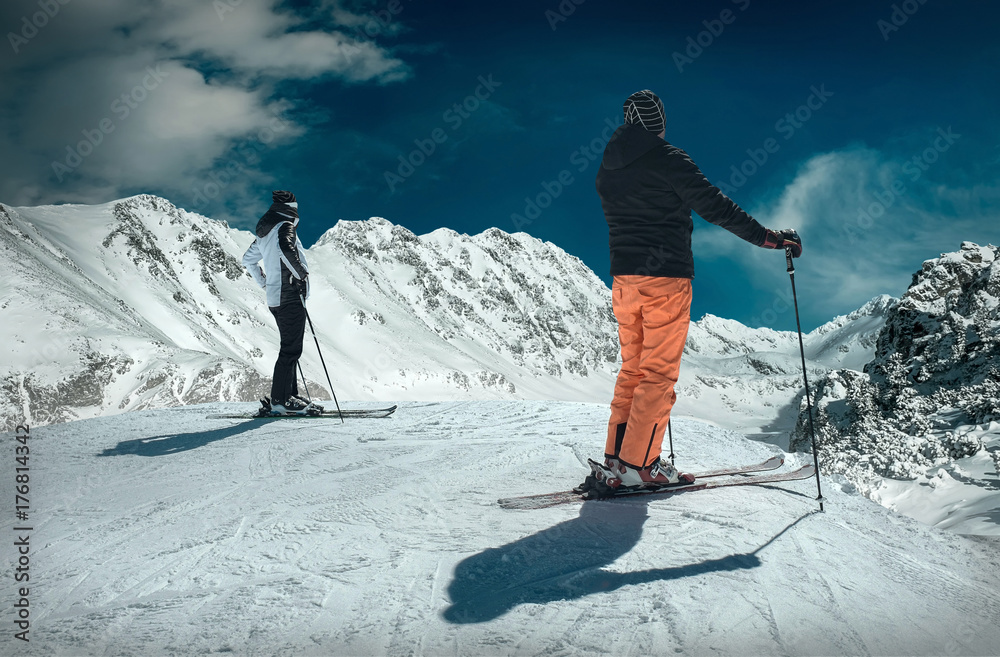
[305, 386]
[311, 328]
[805, 376]
[670, 433]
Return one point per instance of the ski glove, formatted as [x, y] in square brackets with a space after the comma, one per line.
[782, 239]
[300, 284]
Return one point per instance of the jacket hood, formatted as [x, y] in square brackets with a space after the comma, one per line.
[276, 214]
[628, 144]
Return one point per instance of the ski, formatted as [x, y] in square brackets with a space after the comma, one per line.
[565, 497]
[772, 463]
[349, 413]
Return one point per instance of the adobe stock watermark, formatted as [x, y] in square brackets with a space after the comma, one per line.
[885, 198]
[378, 21]
[580, 159]
[248, 152]
[958, 643]
[787, 126]
[454, 117]
[31, 25]
[656, 257]
[900, 15]
[387, 359]
[122, 107]
[562, 12]
[373, 24]
[781, 303]
[714, 28]
[224, 7]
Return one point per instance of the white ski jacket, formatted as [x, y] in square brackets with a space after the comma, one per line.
[267, 250]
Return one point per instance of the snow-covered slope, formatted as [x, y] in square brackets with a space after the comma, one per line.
[162, 533]
[122, 306]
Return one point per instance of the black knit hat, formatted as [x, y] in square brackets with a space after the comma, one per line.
[644, 108]
[282, 197]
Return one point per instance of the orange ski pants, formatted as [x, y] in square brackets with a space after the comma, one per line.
[653, 314]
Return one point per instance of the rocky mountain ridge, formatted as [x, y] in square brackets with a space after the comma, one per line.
[933, 383]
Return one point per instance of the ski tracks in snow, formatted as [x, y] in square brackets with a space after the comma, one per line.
[383, 537]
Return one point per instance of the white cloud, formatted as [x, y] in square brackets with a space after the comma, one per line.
[139, 69]
[256, 39]
[867, 222]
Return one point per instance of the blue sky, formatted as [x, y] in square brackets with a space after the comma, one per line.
[877, 121]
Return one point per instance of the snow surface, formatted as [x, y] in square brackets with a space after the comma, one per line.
[162, 532]
[962, 496]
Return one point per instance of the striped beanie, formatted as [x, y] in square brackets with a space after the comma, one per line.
[645, 108]
[281, 196]
[285, 205]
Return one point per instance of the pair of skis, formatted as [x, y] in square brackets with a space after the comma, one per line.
[720, 478]
[336, 415]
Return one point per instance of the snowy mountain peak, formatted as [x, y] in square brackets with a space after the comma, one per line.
[136, 300]
[530, 302]
[940, 283]
[146, 304]
[379, 232]
[375, 226]
[878, 307]
[947, 324]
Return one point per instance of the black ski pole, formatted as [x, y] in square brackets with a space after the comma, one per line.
[332, 391]
[305, 386]
[805, 376]
[670, 433]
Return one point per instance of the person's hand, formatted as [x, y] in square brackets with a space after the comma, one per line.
[301, 285]
[783, 239]
[298, 284]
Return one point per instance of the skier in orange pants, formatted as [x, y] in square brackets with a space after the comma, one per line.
[648, 188]
[653, 314]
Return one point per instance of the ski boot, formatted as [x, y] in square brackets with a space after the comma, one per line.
[312, 408]
[292, 406]
[612, 477]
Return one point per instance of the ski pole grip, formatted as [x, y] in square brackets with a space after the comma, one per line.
[788, 259]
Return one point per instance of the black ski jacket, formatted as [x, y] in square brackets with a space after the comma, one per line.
[648, 188]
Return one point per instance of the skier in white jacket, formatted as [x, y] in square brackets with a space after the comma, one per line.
[285, 276]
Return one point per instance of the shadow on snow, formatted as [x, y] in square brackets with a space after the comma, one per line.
[172, 443]
[565, 562]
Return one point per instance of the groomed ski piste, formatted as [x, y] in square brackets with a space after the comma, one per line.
[161, 532]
